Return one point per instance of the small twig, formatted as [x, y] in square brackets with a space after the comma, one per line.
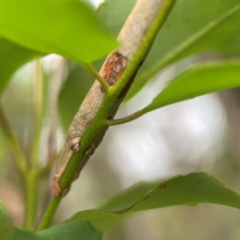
[49, 213]
[31, 181]
[19, 155]
[97, 76]
[126, 119]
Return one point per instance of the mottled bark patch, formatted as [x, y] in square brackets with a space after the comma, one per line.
[113, 68]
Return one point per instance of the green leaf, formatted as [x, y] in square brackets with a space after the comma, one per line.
[199, 80]
[193, 27]
[190, 189]
[77, 230]
[6, 229]
[12, 57]
[20, 234]
[65, 27]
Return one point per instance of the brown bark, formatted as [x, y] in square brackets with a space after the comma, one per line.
[131, 37]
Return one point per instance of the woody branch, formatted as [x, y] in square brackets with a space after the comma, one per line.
[119, 70]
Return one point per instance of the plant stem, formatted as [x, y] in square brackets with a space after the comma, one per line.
[38, 112]
[31, 181]
[19, 156]
[32, 174]
[126, 119]
[49, 213]
[89, 124]
[97, 76]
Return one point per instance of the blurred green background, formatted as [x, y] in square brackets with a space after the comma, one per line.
[201, 134]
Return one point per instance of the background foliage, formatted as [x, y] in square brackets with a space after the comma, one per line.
[70, 29]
